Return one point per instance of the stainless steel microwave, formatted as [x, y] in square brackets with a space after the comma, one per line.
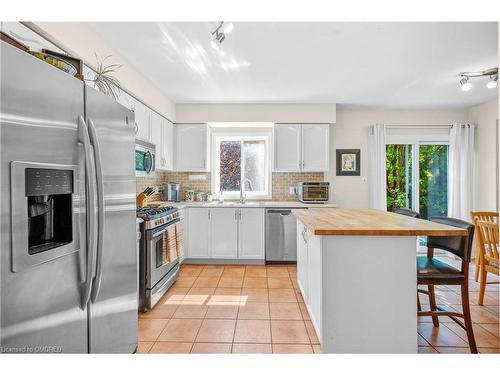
[313, 192]
[144, 157]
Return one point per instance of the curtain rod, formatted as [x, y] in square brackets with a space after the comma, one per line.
[431, 126]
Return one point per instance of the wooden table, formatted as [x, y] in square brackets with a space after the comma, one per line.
[357, 272]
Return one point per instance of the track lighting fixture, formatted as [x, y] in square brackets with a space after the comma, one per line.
[465, 85]
[493, 82]
[465, 77]
[219, 34]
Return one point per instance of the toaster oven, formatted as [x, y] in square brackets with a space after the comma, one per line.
[313, 192]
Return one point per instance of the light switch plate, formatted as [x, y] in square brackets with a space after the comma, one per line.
[292, 190]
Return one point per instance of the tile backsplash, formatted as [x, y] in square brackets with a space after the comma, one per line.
[281, 182]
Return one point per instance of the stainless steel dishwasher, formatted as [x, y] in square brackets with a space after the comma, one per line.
[281, 236]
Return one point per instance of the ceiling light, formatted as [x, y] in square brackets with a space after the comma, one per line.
[227, 27]
[465, 85]
[493, 82]
[215, 45]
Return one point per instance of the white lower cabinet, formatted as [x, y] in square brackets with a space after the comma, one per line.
[198, 222]
[252, 233]
[226, 233]
[224, 230]
[309, 273]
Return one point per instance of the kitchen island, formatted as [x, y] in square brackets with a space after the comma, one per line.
[356, 270]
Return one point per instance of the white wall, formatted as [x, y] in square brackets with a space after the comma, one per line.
[485, 116]
[80, 40]
[256, 112]
[351, 131]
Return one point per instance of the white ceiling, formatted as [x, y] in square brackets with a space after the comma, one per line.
[360, 64]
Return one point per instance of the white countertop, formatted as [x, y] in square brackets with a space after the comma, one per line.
[248, 204]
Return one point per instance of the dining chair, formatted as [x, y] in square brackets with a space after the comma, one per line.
[406, 212]
[432, 271]
[488, 235]
[484, 216]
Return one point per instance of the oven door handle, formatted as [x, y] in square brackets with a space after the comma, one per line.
[83, 138]
[100, 209]
[160, 232]
[152, 162]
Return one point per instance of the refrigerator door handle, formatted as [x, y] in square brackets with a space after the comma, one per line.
[83, 137]
[100, 209]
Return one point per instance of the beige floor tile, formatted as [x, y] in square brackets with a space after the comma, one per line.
[317, 349]
[144, 346]
[254, 295]
[277, 271]
[185, 282]
[490, 298]
[440, 336]
[427, 350]
[225, 296]
[222, 312]
[254, 310]
[255, 282]
[451, 350]
[234, 272]
[253, 331]
[161, 310]
[230, 282]
[212, 272]
[492, 328]
[210, 348]
[282, 295]
[216, 330]
[489, 350]
[279, 283]
[201, 291]
[181, 330]
[289, 332]
[304, 312]
[256, 272]
[483, 338]
[313, 337]
[191, 312]
[422, 341]
[252, 348]
[174, 295]
[285, 311]
[171, 347]
[292, 348]
[196, 298]
[150, 329]
[206, 282]
[193, 272]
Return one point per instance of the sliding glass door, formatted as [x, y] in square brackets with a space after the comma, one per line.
[417, 177]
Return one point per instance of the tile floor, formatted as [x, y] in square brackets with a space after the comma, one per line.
[258, 309]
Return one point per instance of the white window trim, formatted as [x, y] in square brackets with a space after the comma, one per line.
[239, 134]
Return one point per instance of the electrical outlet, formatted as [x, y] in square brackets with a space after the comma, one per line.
[364, 180]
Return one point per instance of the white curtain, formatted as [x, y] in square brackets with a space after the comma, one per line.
[376, 155]
[460, 171]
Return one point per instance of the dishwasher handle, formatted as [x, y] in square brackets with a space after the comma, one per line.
[281, 212]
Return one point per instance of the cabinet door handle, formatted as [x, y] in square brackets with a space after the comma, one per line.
[209, 215]
[239, 212]
[236, 214]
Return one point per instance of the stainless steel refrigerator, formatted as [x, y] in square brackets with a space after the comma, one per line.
[68, 255]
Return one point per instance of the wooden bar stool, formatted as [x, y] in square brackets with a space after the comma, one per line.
[483, 216]
[431, 271]
[488, 235]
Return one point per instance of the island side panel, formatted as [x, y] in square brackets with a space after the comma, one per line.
[369, 294]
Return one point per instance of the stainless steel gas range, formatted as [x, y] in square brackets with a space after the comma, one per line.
[159, 253]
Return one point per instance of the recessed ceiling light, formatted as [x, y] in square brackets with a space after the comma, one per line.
[465, 85]
[493, 82]
[214, 45]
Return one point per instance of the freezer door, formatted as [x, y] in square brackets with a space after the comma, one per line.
[114, 302]
[41, 295]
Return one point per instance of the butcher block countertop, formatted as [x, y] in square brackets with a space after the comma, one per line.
[365, 222]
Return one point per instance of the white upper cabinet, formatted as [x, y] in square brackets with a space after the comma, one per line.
[192, 147]
[315, 147]
[252, 233]
[142, 121]
[168, 145]
[301, 147]
[156, 138]
[224, 234]
[287, 147]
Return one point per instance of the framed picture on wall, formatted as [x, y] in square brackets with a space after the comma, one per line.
[348, 162]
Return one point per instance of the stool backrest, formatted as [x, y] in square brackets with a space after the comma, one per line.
[406, 212]
[461, 246]
[489, 235]
[476, 216]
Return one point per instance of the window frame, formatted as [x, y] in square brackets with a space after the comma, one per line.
[241, 136]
